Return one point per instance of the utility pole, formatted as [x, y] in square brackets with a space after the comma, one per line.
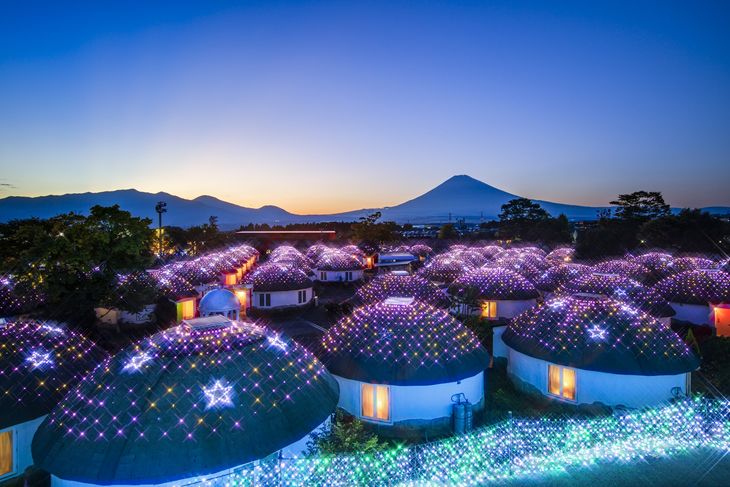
[160, 208]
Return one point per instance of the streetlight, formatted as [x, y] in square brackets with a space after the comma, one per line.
[160, 208]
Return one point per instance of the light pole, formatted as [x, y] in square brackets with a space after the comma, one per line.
[160, 208]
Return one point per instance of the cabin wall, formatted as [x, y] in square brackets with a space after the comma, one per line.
[282, 299]
[697, 314]
[611, 389]
[409, 403]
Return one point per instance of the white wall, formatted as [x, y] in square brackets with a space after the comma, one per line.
[22, 438]
[414, 402]
[697, 314]
[339, 276]
[281, 299]
[611, 389]
[499, 348]
[505, 308]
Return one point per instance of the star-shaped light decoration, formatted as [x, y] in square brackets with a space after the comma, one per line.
[218, 395]
[40, 358]
[136, 362]
[597, 333]
[276, 341]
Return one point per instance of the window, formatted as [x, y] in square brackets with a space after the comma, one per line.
[489, 310]
[561, 382]
[348, 276]
[322, 276]
[302, 296]
[264, 300]
[375, 402]
[7, 453]
[722, 321]
[186, 309]
[230, 279]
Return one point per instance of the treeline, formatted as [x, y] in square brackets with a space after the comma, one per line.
[643, 220]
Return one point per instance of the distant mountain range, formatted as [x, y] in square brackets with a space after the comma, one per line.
[456, 198]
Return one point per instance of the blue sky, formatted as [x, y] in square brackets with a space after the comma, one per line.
[329, 106]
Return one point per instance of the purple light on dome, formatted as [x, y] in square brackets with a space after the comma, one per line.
[276, 341]
[40, 359]
[136, 362]
[218, 394]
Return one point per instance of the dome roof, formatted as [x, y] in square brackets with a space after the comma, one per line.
[219, 300]
[623, 267]
[274, 277]
[39, 362]
[186, 402]
[654, 260]
[599, 334]
[405, 286]
[620, 288]
[696, 287]
[560, 255]
[402, 342]
[420, 250]
[682, 264]
[493, 283]
[338, 261]
[444, 268]
[490, 251]
[558, 275]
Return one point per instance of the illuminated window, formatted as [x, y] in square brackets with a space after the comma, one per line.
[7, 460]
[561, 382]
[186, 309]
[230, 279]
[722, 321]
[489, 310]
[375, 402]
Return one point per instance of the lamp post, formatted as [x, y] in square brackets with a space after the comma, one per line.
[160, 208]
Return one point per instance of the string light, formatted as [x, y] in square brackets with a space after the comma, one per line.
[390, 285]
[696, 287]
[402, 341]
[493, 283]
[218, 394]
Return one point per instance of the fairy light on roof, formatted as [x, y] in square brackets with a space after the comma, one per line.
[276, 341]
[493, 283]
[623, 267]
[137, 361]
[632, 341]
[40, 359]
[212, 381]
[38, 365]
[387, 285]
[696, 287]
[402, 341]
[558, 275]
[218, 395]
[444, 268]
[278, 277]
[621, 288]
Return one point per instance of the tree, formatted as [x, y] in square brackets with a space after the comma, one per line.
[368, 228]
[688, 231]
[346, 435]
[447, 231]
[522, 209]
[641, 205]
[74, 261]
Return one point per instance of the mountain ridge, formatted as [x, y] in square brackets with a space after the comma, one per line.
[460, 196]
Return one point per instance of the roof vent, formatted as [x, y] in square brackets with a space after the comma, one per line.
[398, 301]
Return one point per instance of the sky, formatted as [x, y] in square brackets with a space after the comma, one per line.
[321, 107]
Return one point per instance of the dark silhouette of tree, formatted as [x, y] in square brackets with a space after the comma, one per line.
[641, 205]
